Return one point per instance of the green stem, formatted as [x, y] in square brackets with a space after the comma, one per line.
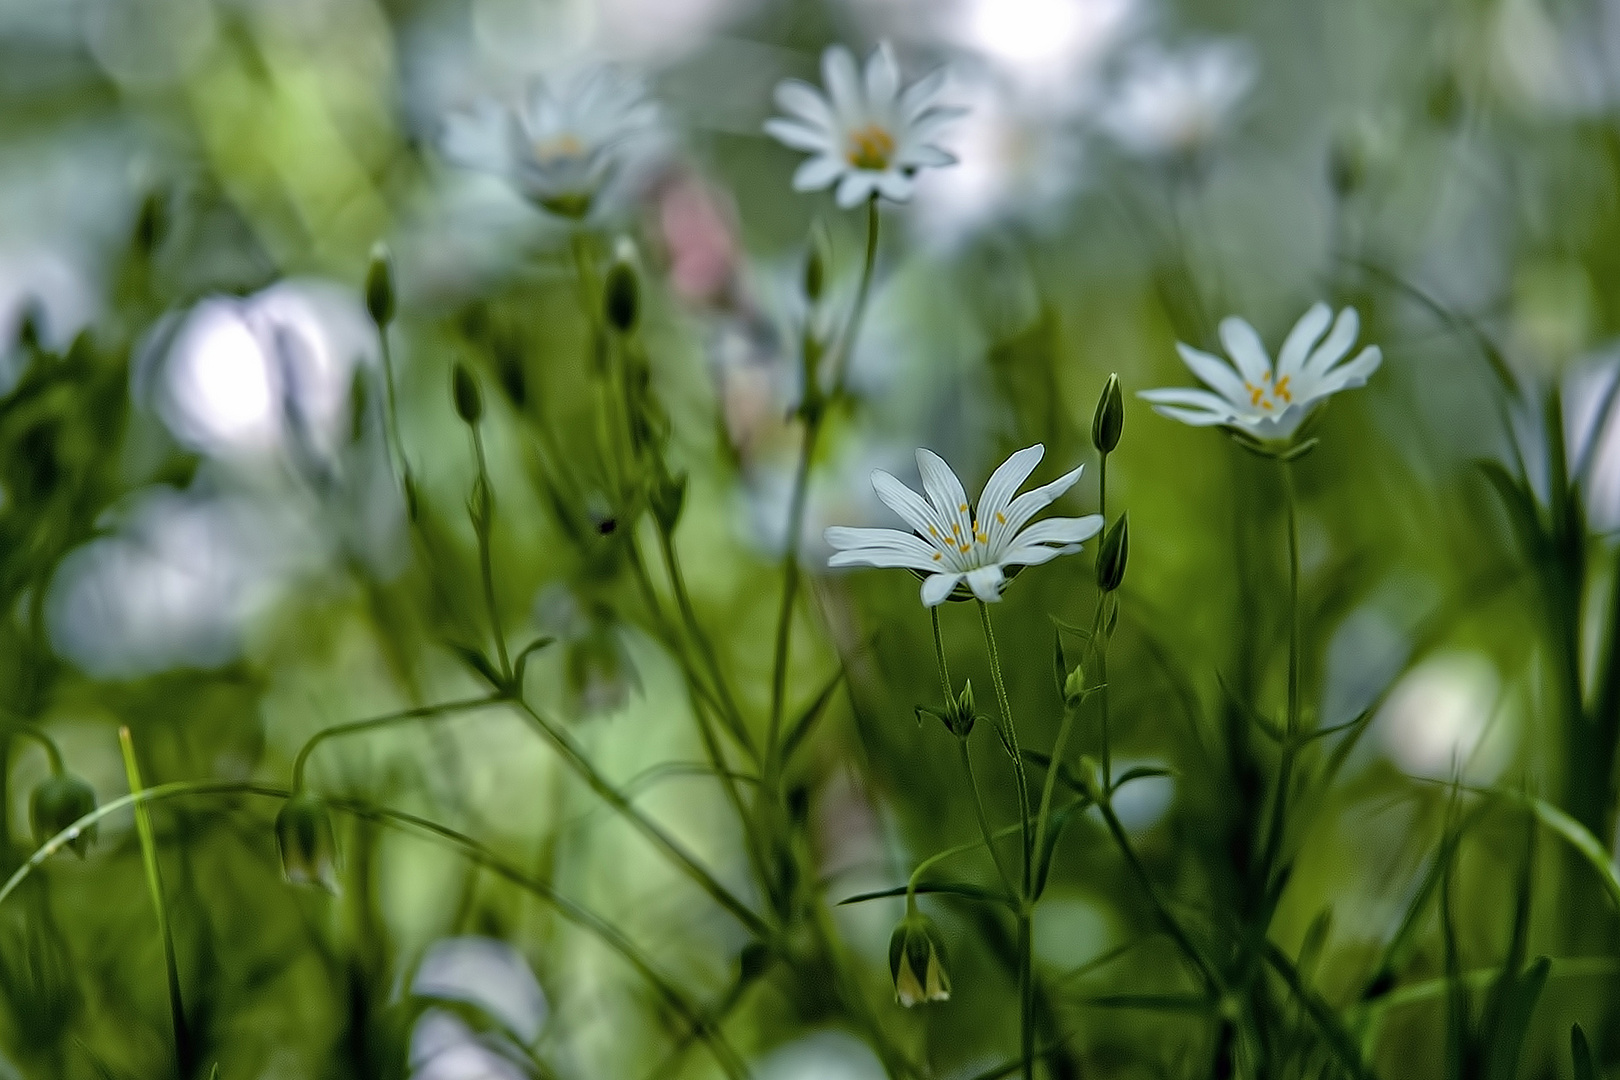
[396, 446]
[683, 600]
[183, 1052]
[984, 821]
[52, 751]
[574, 757]
[1293, 597]
[1010, 733]
[420, 712]
[846, 344]
[482, 520]
[1026, 991]
[939, 654]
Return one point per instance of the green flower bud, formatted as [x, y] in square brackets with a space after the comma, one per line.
[621, 296]
[961, 713]
[1109, 419]
[1116, 547]
[1074, 686]
[667, 498]
[380, 285]
[56, 804]
[917, 961]
[464, 388]
[307, 843]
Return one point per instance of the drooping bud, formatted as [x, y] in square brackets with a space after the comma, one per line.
[307, 844]
[1109, 419]
[1116, 547]
[917, 961]
[668, 496]
[621, 296]
[380, 285]
[56, 804]
[464, 388]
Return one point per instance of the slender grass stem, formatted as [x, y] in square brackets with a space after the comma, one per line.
[396, 446]
[1010, 734]
[420, 712]
[983, 820]
[729, 712]
[483, 518]
[184, 1052]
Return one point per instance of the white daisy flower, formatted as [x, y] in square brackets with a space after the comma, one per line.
[950, 548]
[1255, 400]
[1177, 103]
[866, 134]
[563, 145]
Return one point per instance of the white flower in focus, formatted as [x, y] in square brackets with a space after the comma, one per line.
[565, 143]
[950, 547]
[1176, 103]
[866, 134]
[1257, 401]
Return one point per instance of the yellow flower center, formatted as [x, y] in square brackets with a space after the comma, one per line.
[870, 147]
[559, 148]
[1268, 397]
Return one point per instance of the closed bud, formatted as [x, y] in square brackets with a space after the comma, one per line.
[1109, 419]
[380, 285]
[815, 264]
[1074, 686]
[917, 961]
[56, 804]
[621, 296]
[307, 843]
[464, 388]
[961, 713]
[1116, 548]
[668, 497]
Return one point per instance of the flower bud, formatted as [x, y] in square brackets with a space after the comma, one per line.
[380, 285]
[668, 496]
[1109, 419]
[917, 961]
[1074, 686]
[1116, 547]
[307, 843]
[464, 388]
[621, 296]
[960, 714]
[56, 804]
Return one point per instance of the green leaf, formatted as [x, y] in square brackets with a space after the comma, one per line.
[1585, 1066]
[1513, 1020]
[806, 721]
[971, 892]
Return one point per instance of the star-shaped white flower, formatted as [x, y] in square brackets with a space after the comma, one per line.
[564, 143]
[866, 134]
[1252, 398]
[950, 547]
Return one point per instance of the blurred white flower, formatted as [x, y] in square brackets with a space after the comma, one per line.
[1269, 406]
[175, 585]
[865, 134]
[489, 975]
[1435, 721]
[565, 143]
[49, 288]
[828, 1055]
[948, 547]
[1142, 803]
[1177, 103]
[443, 1047]
[243, 376]
[1042, 42]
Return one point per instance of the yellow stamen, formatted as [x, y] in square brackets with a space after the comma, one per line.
[1282, 389]
[963, 508]
[956, 530]
[558, 148]
[938, 556]
[870, 147]
[1255, 393]
[981, 538]
[1000, 520]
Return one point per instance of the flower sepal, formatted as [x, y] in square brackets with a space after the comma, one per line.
[958, 716]
[307, 843]
[56, 804]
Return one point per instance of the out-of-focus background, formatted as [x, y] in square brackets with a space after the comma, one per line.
[203, 535]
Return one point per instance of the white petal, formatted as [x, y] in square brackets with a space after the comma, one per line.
[926, 156]
[1213, 373]
[1035, 554]
[945, 492]
[937, 587]
[1002, 485]
[1060, 531]
[1248, 353]
[1353, 374]
[804, 101]
[843, 82]
[882, 79]
[1194, 417]
[1310, 327]
[1187, 395]
[799, 136]
[911, 507]
[1338, 342]
[817, 172]
[480, 138]
[986, 582]
[895, 186]
[855, 188]
[1031, 503]
[919, 97]
[884, 548]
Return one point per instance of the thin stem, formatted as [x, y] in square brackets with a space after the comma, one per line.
[984, 821]
[574, 757]
[846, 344]
[1010, 733]
[183, 1053]
[1293, 597]
[683, 600]
[939, 654]
[482, 517]
[396, 446]
[52, 751]
[420, 712]
[1026, 992]
[1102, 491]
[1205, 970]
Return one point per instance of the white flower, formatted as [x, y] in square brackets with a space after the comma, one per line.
[866, 134]
[949, 546]
[563, 145]
[1177, 103]
[1257, 401]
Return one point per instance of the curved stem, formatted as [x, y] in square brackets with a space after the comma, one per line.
[420, 712]
[575, 759]
[52, 751]
[987, 840]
